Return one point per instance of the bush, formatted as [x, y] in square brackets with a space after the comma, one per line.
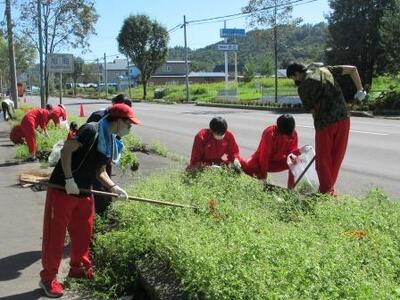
[252, 244]
[389, 99]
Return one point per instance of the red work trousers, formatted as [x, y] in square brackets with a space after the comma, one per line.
[62, 212]
[250, 167]
[330, 148]
[28, 128]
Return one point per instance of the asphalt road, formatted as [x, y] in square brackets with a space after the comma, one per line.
[371, 158]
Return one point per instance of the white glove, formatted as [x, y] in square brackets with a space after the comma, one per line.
[360, 95]
[215, 167]
[120, 192]
[291, 158]
[71, 187]
[305, 149]
[236, 165]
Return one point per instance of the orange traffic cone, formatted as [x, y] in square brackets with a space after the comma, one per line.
[81, 112]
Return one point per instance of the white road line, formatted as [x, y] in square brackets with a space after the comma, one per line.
[356, 131]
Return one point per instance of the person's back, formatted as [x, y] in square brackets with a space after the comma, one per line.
[56, 113]
[276, 144]
[322, 94]
[37, 117]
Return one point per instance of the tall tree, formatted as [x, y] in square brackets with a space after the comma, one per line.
[145, 42]
[78, 68]
[354, 36]
[65, 24]
[270, 13]
[390, 33]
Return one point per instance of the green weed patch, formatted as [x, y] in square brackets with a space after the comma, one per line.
[247, 243]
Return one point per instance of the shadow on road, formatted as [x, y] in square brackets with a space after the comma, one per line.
[12, 266]
[36, 294]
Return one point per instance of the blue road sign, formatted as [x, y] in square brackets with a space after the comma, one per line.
[232, 33]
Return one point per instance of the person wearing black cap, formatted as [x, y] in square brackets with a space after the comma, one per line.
[83, 158]
[322, 95]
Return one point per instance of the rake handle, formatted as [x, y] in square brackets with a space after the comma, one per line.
[96, 192]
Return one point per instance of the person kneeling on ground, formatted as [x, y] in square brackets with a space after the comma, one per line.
[73, 130]
[277, 143]
[214, 146]
[82, 160]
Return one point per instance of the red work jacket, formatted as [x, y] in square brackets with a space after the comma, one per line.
[37, 117]
[273, 147]
[207, 150]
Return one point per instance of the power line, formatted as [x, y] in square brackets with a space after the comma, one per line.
[243, 14]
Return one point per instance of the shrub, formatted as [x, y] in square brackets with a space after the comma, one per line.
[252, 244]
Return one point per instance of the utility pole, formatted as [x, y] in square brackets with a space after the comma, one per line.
[61, 87]
[41, 76]
[276, 53]
[186, 61]
[105, 75]
[99, 78]
[11, 56]
[129, 78]
[226, 64]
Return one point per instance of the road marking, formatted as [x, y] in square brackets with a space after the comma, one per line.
[351, 130]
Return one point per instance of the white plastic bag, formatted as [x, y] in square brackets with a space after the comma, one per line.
[64, 123]
[55, 154]
[303, 161]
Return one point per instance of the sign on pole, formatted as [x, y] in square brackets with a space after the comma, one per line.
[60, 63]
[228, 47]
[232, 33]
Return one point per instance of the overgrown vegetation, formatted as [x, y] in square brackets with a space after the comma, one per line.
[250, 244]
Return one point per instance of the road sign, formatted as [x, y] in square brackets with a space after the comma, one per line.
[228, 47]
[60, 63]
[232, 33]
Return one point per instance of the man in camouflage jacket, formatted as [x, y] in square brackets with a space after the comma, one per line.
[322, 96]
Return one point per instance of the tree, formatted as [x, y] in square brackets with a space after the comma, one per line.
[270, 13]
[78, 68]
[65, 23]
[266, 66]
[145, 42]
[390, 33]
[249, 70]
[25, 56]
[354, 36]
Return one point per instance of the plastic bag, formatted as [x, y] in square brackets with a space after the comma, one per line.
[64, 123]
[55, 154]
[304, 160]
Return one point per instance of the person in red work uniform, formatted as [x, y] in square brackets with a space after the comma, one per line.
[214, 146]
[58, 112]
[82, 160]
[73, 130]
[37, 117]
[321, 95]
[276, 144]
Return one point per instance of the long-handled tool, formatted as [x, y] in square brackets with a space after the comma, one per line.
[145, 200]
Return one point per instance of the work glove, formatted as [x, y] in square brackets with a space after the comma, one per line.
[215, 167]
[360, 95]
[236, 165]
[305, 149]
[120, 192]
[71, 187]
[291, 158]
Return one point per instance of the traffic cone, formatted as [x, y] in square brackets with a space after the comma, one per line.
[81, 112]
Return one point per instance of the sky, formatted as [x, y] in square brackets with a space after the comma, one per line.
[170, 13]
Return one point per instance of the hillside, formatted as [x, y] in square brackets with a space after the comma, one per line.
[305, 43]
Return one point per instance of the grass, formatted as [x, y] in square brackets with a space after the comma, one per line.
[207, 92]
[252, 244]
